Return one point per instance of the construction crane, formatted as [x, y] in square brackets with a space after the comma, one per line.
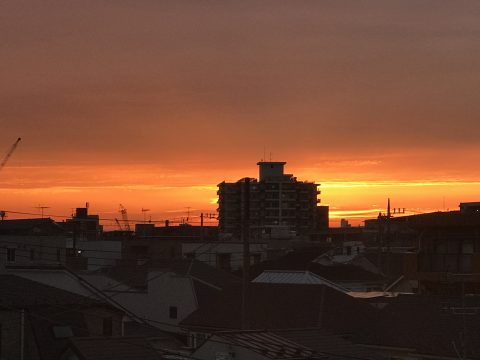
[124, 214]
[118, 224]
[9, 153]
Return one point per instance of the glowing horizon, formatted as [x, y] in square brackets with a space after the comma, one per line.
[169, 194]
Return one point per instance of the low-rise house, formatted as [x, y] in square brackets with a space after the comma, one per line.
[280, 306]
[32, 242]
[37, 320]
[160, 294]
[348, 276]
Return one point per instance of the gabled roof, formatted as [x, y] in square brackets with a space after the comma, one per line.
[18, 292]
[284, 306]
[295, 277]
[303, 259]
[298, 259]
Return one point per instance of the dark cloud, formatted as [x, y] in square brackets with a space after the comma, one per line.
[157, 81]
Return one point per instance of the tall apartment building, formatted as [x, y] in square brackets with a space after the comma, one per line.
[277, 202]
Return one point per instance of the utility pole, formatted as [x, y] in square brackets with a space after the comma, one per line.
[201, 227]
[246, 252]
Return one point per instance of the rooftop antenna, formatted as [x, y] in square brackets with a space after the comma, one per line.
[144, 211]
[42, 208]
[188, 213]
[263, 153]
[270, 156]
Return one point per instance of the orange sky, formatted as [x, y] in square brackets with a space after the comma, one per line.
[152, 103]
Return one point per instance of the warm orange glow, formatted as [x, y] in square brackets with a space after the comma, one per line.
[170, 192]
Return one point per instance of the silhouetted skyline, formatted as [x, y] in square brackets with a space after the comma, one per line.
[151, 104]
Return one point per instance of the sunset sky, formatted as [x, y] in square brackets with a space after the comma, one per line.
[152, 103]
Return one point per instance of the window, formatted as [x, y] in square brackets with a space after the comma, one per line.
[173, 312]
[10, 255]
[107, 326]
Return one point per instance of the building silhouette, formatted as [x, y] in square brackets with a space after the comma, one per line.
[276, 205]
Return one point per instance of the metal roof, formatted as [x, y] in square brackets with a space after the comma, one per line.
[295, 277]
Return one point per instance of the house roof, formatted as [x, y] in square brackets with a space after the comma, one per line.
[295, 277]
[136, 276]
[44, 320]
[18, 292]
[302, 260]
[344, 273]
[430, 325]
[295, 344]
[42, 226]
[267, 344]
[119, 348]
[283, 306]
[294, 260]
[328, 344]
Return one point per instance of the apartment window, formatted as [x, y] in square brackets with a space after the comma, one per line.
[173, 312]
[107, 326]
[11, 254]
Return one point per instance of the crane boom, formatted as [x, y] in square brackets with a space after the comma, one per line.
[9, 153]
[124, 214]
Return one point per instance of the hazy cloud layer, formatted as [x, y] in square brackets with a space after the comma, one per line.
[157, 81]
[193, 91]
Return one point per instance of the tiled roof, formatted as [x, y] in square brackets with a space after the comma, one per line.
[267, 344]
[295, 344]
[325, 343]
